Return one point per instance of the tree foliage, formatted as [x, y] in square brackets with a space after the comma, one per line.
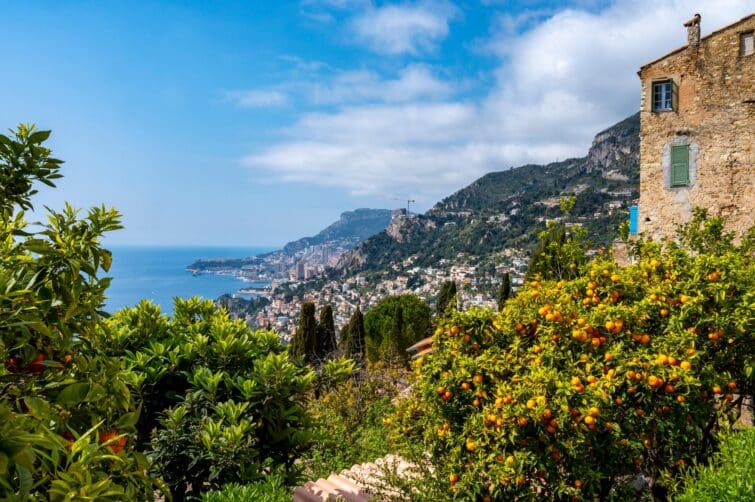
[504, 290]
[304, 344]
[354, 342]
[579, 385]
[560, 253]
[66, 406]
[446, 298]
[393, 325]
[222, 403]
[326, 334]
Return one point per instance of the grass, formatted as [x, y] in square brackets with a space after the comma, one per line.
[730, 475]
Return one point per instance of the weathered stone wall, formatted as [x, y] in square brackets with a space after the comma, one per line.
[714, 113]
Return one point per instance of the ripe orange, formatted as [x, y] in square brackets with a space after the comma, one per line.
[654, 381]
[680, 398]
[117, 445]
[36, 365]
[453, 478]
[454, 330]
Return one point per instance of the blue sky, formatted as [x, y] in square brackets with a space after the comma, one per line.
[258, 122]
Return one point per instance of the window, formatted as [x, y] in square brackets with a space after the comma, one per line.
[746, 43]
[662, 96]
[679, 165]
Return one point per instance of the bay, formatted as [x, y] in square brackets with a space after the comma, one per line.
[158, 273]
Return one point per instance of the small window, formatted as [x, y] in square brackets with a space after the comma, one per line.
[746, 43]
[680, 165]
[663, 96]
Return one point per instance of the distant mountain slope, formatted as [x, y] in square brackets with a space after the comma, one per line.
[351, 228]
[507, 208]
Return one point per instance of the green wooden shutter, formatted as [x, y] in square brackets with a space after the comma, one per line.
[679, 165]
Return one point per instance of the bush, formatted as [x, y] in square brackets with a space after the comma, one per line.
[271, 489]
[67, 413]
[577, 386]
[730, 475]
[221, 404]
[350, 423]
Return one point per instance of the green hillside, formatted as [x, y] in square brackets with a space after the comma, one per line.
[507, 209]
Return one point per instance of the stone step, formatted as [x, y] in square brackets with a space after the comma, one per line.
[359, 483]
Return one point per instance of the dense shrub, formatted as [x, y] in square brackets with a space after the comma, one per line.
[577, 386]
[730, 476]
[66, 411]
[221, 404]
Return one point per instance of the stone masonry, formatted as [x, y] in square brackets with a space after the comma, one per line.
[712, 111]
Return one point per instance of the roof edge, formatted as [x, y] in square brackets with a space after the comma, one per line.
[677, 50]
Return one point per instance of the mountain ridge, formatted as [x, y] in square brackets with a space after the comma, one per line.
[506, 209]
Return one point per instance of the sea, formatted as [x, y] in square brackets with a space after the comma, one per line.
[159, 274]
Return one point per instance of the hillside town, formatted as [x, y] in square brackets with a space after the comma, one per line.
[474, 290]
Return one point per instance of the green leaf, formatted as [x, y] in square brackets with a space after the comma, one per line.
[127, 420]
[38, 408]
[73, 394]
[107, 259]
[39, 136]
[25, 478]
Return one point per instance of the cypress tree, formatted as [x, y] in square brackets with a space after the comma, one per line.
[393, 344]
[446, 294]
[304, 343]
[504, 291]
[355, 340]
[326, 336]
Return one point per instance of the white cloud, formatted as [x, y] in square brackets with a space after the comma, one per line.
[556, 85]
[257, 98]
[414, 82]
[404, 28]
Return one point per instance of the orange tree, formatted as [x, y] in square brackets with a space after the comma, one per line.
[65, 406]
[578, 386]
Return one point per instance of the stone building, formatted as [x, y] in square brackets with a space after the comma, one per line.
[697, 133]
